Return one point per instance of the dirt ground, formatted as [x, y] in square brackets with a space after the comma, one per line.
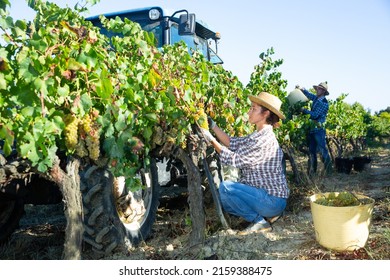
[41, 232]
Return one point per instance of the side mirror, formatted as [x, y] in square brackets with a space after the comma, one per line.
[187, 24]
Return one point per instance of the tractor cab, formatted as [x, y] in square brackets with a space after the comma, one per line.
[170, 29]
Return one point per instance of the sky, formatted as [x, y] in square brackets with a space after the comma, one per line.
[343, 42]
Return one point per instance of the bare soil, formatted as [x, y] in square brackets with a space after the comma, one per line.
[41, 232]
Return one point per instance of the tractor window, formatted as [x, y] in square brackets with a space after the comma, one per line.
[156, 29]
[193, 42]
[147, 25]
[214, 58]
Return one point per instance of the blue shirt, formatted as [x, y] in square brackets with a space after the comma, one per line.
[319, 109]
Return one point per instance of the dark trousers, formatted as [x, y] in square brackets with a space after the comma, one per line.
[317, 144]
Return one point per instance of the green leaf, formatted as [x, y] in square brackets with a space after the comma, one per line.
[159, 105]
[38, 43]
[75, 65]
[151, 116]
[3, 82]
[121, 124]
[205, 75]
[6, 22]
[28, 111]
[58, 124]
[42, 166]
[88, 58]
[4, 4]
[40, 86]
[147, 133]
[110, 130]
[26, 70]
[20, 28]
[86, 102]
[63, 91]
[138, 96]
[111, 147]
[104, 88]
[8, 137]
[187, 96]
[28, 148]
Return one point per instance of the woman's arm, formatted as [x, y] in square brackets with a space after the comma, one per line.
[222, 136]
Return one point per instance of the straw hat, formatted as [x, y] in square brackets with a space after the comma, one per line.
[269, 101]
[323, 86]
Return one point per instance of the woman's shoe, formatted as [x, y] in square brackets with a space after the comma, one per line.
[272, 220]
[256, 227]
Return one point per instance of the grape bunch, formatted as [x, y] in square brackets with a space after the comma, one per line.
[82, 135]
[86, 123]
[201, 118]
[341, 199]
[210, 110]
[347, 199]
[90, 134]
[93, 145]
[71, 131]
[81, 149]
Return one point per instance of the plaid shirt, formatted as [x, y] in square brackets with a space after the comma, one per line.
[319, 109]
[259, 158]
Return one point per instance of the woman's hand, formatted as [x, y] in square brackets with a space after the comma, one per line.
[211, 122]
[207, 135]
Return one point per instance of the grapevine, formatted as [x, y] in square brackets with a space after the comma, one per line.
[60, 69]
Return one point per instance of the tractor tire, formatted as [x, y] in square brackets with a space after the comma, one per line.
[10, 214]
[114, 217]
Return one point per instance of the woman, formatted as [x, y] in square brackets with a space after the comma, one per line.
[261, 194]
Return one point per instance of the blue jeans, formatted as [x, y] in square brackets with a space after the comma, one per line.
[252, 204]
[317, 143]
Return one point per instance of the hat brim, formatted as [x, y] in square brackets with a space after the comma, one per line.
[326, 91]
[264, 103]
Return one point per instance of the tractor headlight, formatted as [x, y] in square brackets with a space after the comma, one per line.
[154, 14]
